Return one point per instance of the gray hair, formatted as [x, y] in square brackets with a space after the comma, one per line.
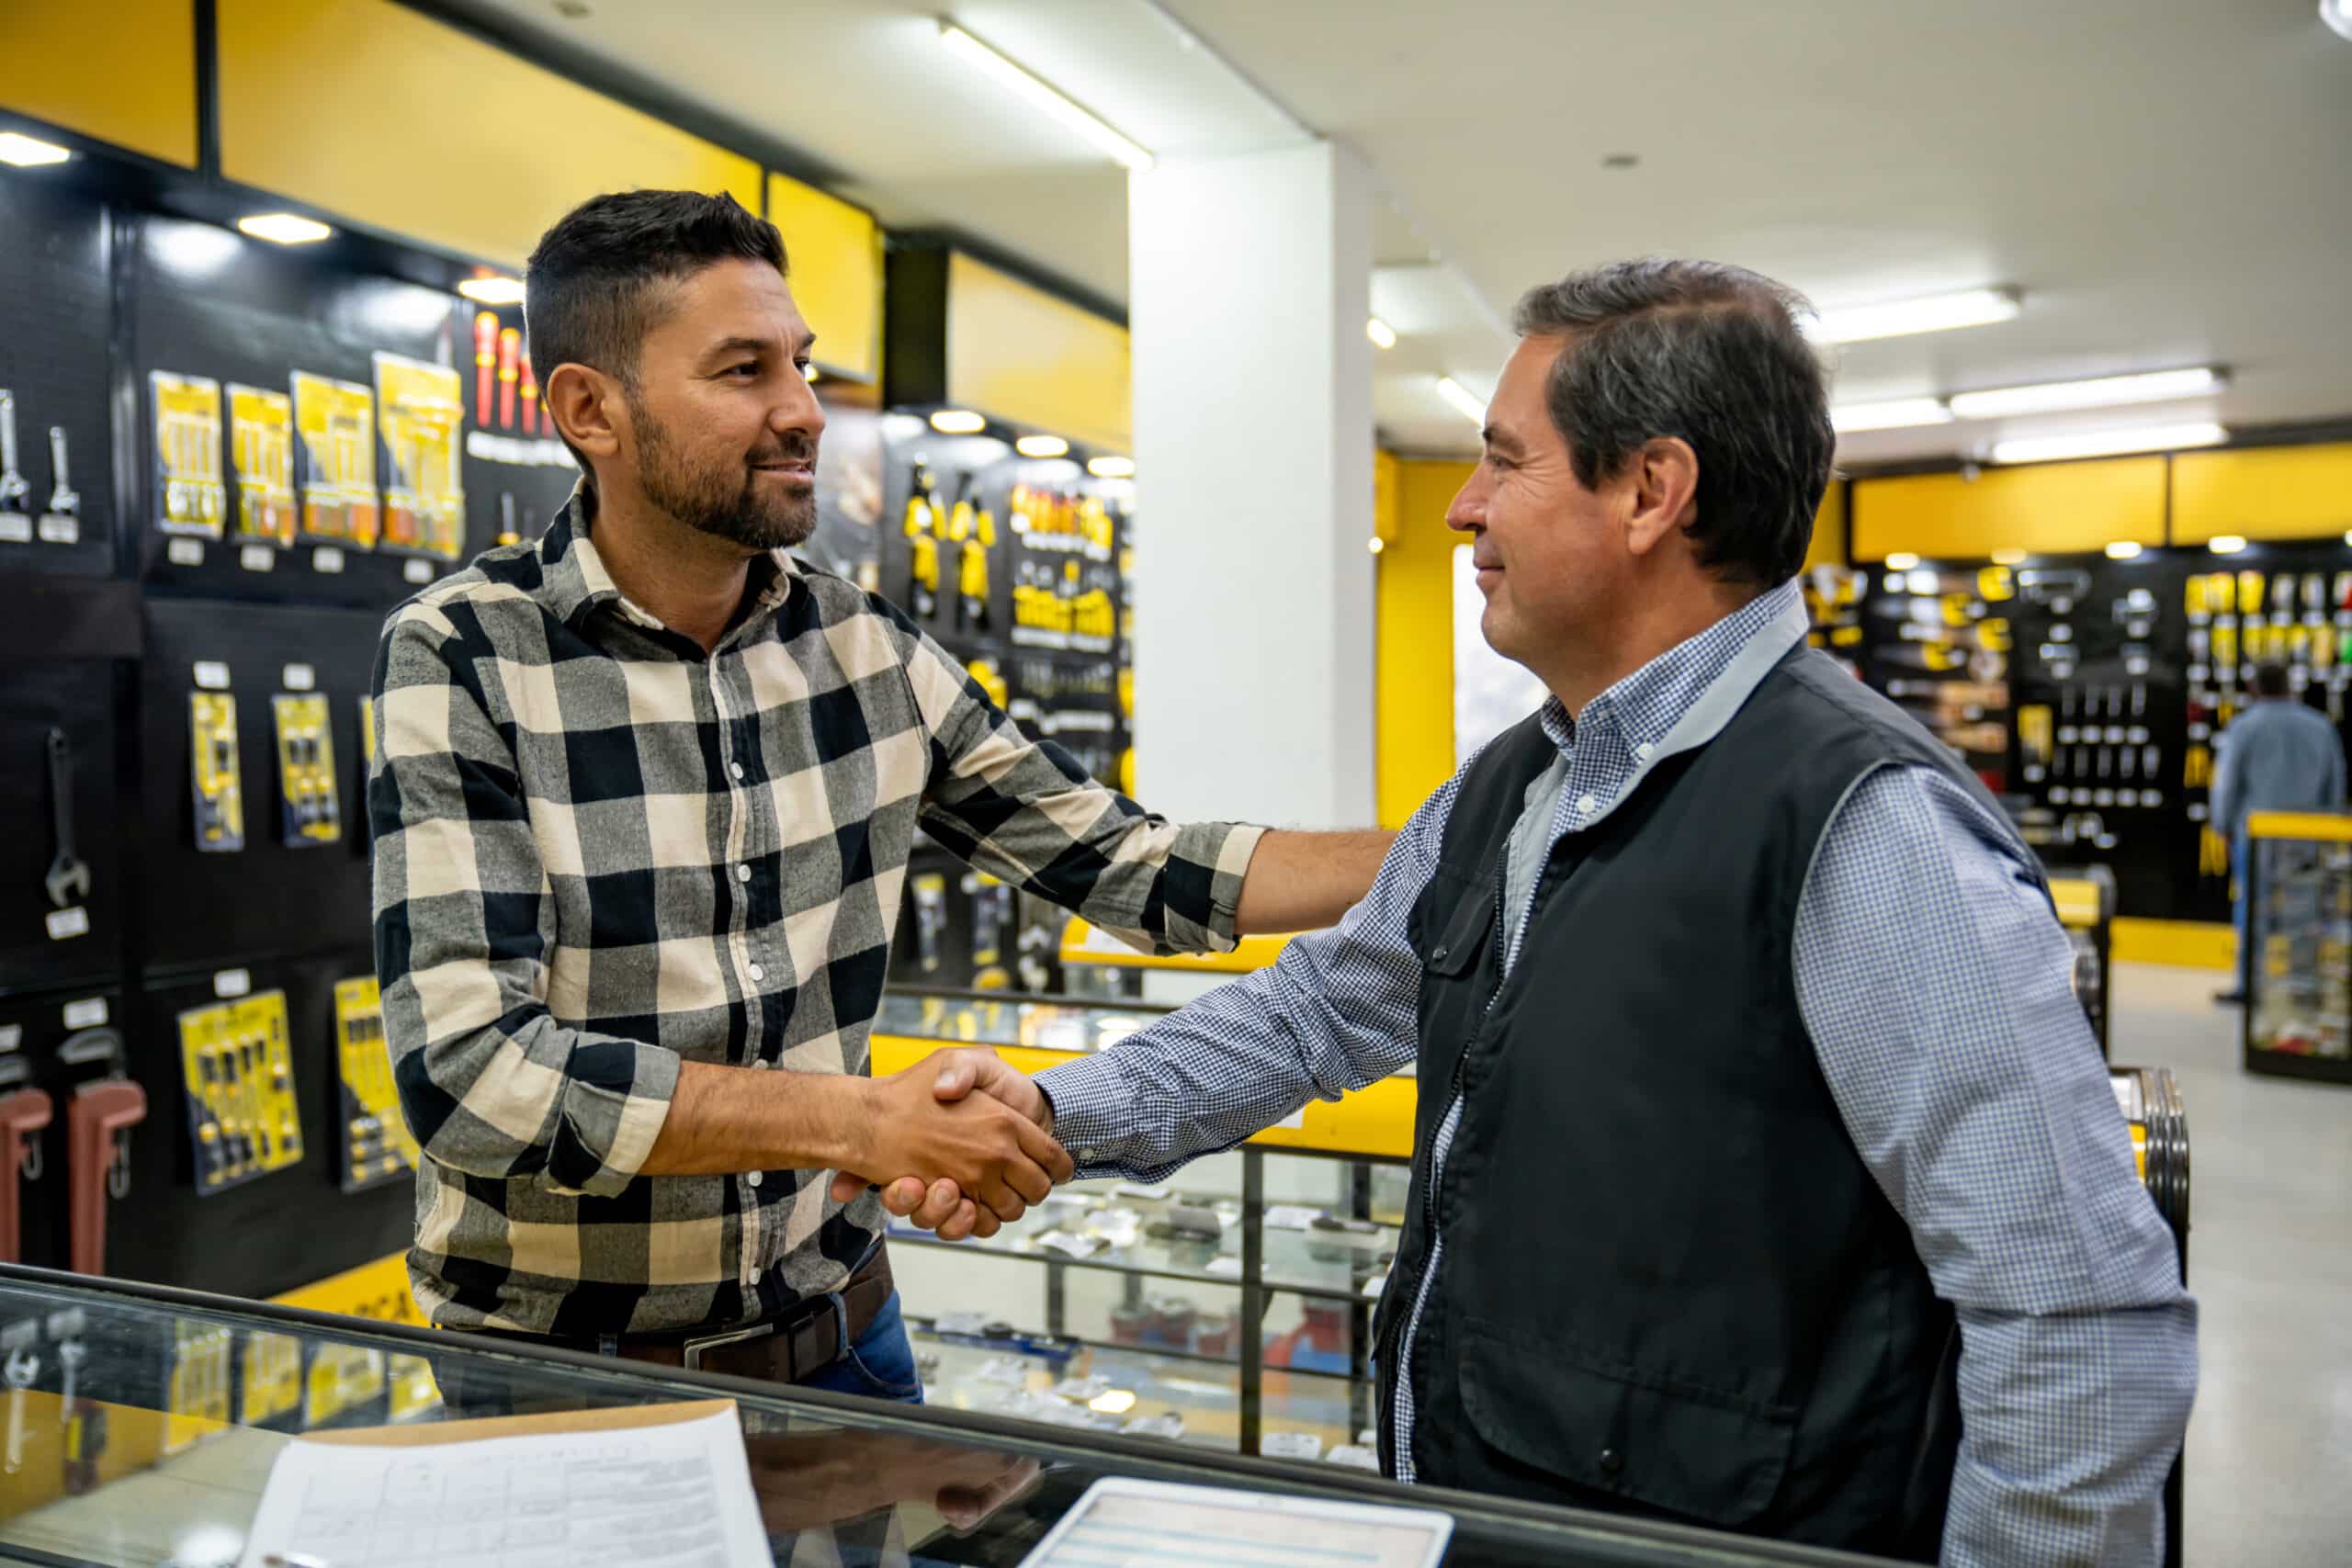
[1712, 354]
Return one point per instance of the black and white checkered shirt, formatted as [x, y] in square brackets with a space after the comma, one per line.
[600, 851]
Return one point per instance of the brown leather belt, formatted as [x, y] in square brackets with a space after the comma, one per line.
[793, 1347]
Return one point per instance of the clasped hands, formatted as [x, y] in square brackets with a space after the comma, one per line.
[960, 1144]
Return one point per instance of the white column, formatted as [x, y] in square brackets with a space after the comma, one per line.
[1250, 280]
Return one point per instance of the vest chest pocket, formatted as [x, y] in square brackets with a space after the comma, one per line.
[1605, 1427]
[1451, 925]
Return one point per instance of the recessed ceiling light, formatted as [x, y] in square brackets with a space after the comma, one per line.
[283, 228]
[493, 291]
[2225, 544]
[1041, 95]
[1378, 544]
[958, 422]
[809, 373]
[2107, 443]
[2103, 392]
[1042, 447]
[30, 153]
[2337, 14]
[1895, 414]
[1381, 334]
[1464, 402]
[2124, 549]
[2012, 555]
[1903, 318]
[1902, 560]
[1112, 467]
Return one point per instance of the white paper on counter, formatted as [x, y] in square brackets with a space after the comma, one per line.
[563, 1494]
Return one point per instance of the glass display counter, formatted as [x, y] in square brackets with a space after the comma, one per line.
[2297, 963]
[141, 1424]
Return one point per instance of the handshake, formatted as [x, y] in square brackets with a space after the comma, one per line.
[960, 1144]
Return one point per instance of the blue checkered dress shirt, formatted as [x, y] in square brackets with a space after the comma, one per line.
[1936, 984]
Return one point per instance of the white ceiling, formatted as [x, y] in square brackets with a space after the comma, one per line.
[2169, 180]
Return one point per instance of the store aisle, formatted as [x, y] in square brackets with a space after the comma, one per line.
[2271, 1261]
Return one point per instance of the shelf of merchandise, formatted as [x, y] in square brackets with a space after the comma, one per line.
[2296, 966]
[2086, 905]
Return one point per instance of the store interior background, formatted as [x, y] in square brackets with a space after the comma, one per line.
[2160, 187]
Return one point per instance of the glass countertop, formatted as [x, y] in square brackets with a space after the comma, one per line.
[181, 1403]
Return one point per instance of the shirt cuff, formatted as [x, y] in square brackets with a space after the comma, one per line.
[1092, 1113]
[612, 1110]
[1205, 870]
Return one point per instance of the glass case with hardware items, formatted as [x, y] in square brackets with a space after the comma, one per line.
[2297, 963]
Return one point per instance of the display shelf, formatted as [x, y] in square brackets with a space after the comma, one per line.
[2296, 967]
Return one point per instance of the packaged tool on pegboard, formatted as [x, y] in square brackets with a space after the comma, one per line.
[261, 448]
[334, 460]
[237, 1078]
[378, 1145]
[971, 528]
[309, 799]
[215, 770]
[931, 920]
[991, 906]
[16, 490]
[197, 1402]
[922, 527]
[189, 497]
[420, 420]
[61, 519]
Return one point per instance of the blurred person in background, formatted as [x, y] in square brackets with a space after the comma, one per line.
[2280, 754]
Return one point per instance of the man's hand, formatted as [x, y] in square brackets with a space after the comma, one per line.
[943, 1205]
[974, 1161]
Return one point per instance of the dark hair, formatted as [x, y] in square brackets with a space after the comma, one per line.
[2270, 679]
[595, 285]
[1711, 353]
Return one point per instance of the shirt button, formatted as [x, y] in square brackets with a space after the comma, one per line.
[753, 1178]
[758, 972]
[1612, 1461]
[1586, 805]
[1087, 1155]
[742, 874]
[735, 769]
[1642, 753]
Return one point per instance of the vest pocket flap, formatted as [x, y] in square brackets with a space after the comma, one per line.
[1597, 1423]
[1451, 942]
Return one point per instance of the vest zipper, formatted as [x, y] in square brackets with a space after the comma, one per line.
[1412, 1303]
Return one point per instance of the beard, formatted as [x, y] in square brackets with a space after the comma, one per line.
[727, 502]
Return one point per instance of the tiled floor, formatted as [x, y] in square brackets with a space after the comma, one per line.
[2269, 1468]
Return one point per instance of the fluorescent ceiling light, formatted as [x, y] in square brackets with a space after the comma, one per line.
[1902, 560]
[2012, 555]
[957, 421]
[1042, 96]
[2106, 391]
[285, 228]
[27, 153]
[2337, 14]
[1381, 334]
[1896, 414]
[2124, 549]
[2225, 544]
[1042, 447]
[1464, 402]
[493, 291]
[1112, 467]
[2105, 443]
[1903, 318]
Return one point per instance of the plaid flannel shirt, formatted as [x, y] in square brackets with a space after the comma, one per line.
[599, 853]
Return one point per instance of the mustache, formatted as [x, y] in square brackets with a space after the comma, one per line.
[795, 447]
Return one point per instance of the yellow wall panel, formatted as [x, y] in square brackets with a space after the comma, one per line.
[123, 71]
[836, 255]
[2050, 509]
[399, 123]
[1829, 546]
[1414, 681]
[2272, 492]
[1018, 353]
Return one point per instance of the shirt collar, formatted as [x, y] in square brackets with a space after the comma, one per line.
[1680, 700]
[574, 580]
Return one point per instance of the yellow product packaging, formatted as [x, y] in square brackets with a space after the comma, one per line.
[420, 418]
[334, 460]
[261, 446]
[189, 496]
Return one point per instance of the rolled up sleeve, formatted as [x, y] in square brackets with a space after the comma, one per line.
[492, 1084]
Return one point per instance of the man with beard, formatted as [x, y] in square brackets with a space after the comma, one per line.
[642, 804]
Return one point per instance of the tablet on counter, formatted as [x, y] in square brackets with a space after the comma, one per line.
[1121, 1523]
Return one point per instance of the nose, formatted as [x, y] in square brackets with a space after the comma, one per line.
[798, 409]
[1467, 514]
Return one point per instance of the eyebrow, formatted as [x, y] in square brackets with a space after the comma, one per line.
[728, 347]
[1498, 439]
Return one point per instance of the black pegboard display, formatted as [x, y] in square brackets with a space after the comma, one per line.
[55, 317]
[41, 942]
[210, 909]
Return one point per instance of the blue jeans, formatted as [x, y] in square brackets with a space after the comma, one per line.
[881, 1365]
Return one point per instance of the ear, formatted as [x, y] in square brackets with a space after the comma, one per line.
[586, 406]
[1665, 475]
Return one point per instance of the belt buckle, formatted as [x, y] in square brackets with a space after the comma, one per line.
[690, 1351]
[788, 1324]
